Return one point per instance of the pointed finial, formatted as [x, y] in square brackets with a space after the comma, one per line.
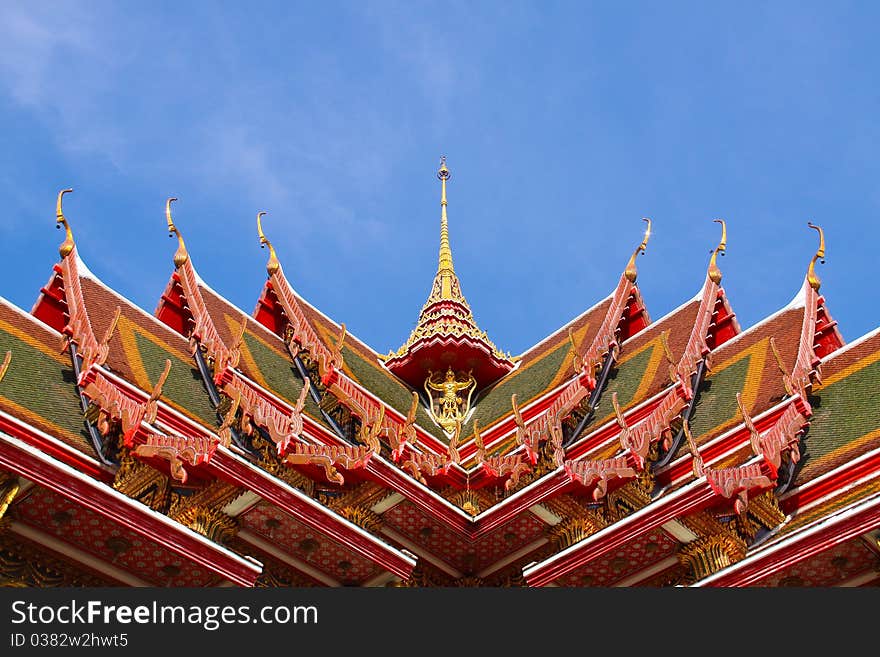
[273, 265]
[444, 267]
[630, 272]
[68, 243]
[714, 272]
[180, 256]
[820, 255]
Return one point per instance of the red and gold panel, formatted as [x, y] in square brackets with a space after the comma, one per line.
[53, 514]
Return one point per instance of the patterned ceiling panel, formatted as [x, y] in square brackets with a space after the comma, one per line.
[458, 552]
[829, 568]
[637, 555]
[299, 541]
[53, 514]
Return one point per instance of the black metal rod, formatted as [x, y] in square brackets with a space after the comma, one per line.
[696, 382]
[304, 374]
[214, 394]
[595, 396]
[94, 435]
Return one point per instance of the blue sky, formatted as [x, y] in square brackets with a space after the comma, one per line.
[563, 124]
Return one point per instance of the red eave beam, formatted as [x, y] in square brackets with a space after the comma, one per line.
[862, 517]
[233, 468]
[22, 459]
[694, 497]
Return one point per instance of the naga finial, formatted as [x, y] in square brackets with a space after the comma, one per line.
[68, 244]
[180, 256]
[273, 265]
[820, 255]
[714, 271]
[630, 272]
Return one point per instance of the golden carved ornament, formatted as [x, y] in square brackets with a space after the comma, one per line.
[5, 364]
[812, 278]
[273, 265]
[400, 436]
[68, 244]
[709, 554]
[180, 256]
[631, 272]
[9, 488]
[714, 271]
[449, 407]
[786, 377]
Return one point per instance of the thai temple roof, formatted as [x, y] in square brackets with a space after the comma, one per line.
[273, 448]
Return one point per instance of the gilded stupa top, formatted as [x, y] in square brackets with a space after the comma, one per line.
[447, 324]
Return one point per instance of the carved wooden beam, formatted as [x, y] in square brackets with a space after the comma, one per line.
[329, 456]
[654, 429]
[401, 436]
[178, 450]
[282, 427]
[115, 406]
[204, 331]
[782, 438]
[500, 466]
[596, 474]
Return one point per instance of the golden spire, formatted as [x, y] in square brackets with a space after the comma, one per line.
[714, 272]
[445, 269]
[630, 272]
[273, 265]
[820, 255]
[68, 243]
[180, 256]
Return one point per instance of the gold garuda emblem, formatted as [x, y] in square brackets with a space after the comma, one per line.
[450, 396]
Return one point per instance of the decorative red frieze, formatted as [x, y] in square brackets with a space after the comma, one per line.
[282, 427]
[79, 329]
[737, 481]
[115, 405]
[807, 366]
[178, 450]
[606, 338]
[549, 425]
[401, 436]
[204, 332]
[500, 466]
[697, 348]
[328, 457]
[420, 463]
[329, 360]
[782, 438]
[596, 474]
[655, 428]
